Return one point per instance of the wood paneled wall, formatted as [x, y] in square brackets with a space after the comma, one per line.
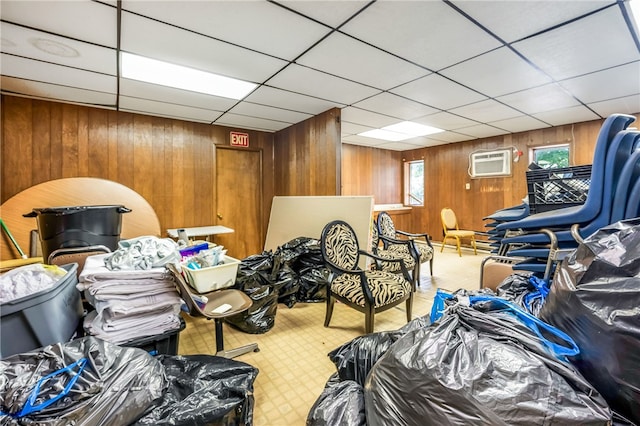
[169, 162]
[307, 156]
[372, 171]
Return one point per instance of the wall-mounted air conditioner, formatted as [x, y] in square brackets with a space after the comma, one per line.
[490, 163]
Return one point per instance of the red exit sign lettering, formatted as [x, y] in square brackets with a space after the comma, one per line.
[239, 139]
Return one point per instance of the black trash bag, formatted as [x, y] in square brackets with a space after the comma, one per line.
[354, 359]
[287, 284]
[254, 279]
[92, 382]
[595, 299]
[313, 284]
[301, 256]
[525, 290]
[204, 390]
[480, 365]
[261, 316]
[341, 403]
[254, 269]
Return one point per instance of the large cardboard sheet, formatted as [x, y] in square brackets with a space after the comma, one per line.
[298, 216]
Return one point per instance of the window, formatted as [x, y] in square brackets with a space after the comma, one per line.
[414, 183]
[550, 156]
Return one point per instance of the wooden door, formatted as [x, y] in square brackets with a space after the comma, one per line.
[239, 200]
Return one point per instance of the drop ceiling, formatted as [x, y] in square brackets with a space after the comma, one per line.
[473, 68]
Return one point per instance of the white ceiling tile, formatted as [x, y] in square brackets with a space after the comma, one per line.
[163, 115]
[397, 146]
[57, 93]
[394, 105]
[438, 92]
[448, 137]
[445, 120]
[540, 99]
[347, 128]
[266, 95]
[428, 33]
[485, 111]
[331, 13]
[497, 73]
[617, 106]
[346, 57]
[80, 19]
[165, 109]
[306, 81]
[607, 84]
[58, 50]
[140, 89]
[256, 123]
[562, 116]
[579, 48]
[362, 141]
[261, 26]
[14, 66]
[185, 48]
[482, 131]
[513, 20]
[270, 113]
[366, 118]
[519, 124]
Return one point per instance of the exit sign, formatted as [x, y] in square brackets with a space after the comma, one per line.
[239, 139]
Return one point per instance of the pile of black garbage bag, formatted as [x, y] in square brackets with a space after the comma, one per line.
[483, 361]
[565, 354]
[92, 382]
[294, 272]
[595, 298]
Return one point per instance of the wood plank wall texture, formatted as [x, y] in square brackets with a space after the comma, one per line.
[171, 162]
[307, 156]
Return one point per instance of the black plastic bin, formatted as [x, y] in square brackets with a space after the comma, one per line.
[557, 188]
[78, 226]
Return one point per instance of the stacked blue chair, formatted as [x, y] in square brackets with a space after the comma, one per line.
[508, 214]
[612, 196]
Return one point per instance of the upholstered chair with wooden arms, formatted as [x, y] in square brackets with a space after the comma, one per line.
[368, 291]
[407, 255]
[393, 239]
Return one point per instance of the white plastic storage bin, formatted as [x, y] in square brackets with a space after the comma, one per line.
[43, 318]
[213, 277]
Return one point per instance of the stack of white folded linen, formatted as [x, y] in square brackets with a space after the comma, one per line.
[129, 304]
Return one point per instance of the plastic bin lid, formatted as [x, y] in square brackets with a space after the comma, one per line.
[73, 209]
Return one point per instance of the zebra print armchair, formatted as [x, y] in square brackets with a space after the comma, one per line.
[368, 291]
[392, 254]
[393, 239]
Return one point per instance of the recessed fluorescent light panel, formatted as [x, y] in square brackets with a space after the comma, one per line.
[401, 131]
[158, 72]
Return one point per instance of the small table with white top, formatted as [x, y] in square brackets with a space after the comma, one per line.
[201, 231]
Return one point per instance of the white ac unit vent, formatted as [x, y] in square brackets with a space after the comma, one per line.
[491, 163]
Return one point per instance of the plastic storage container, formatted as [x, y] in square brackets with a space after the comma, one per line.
[79, 226]
[43, 318]
[551, 189]
[213, 277]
